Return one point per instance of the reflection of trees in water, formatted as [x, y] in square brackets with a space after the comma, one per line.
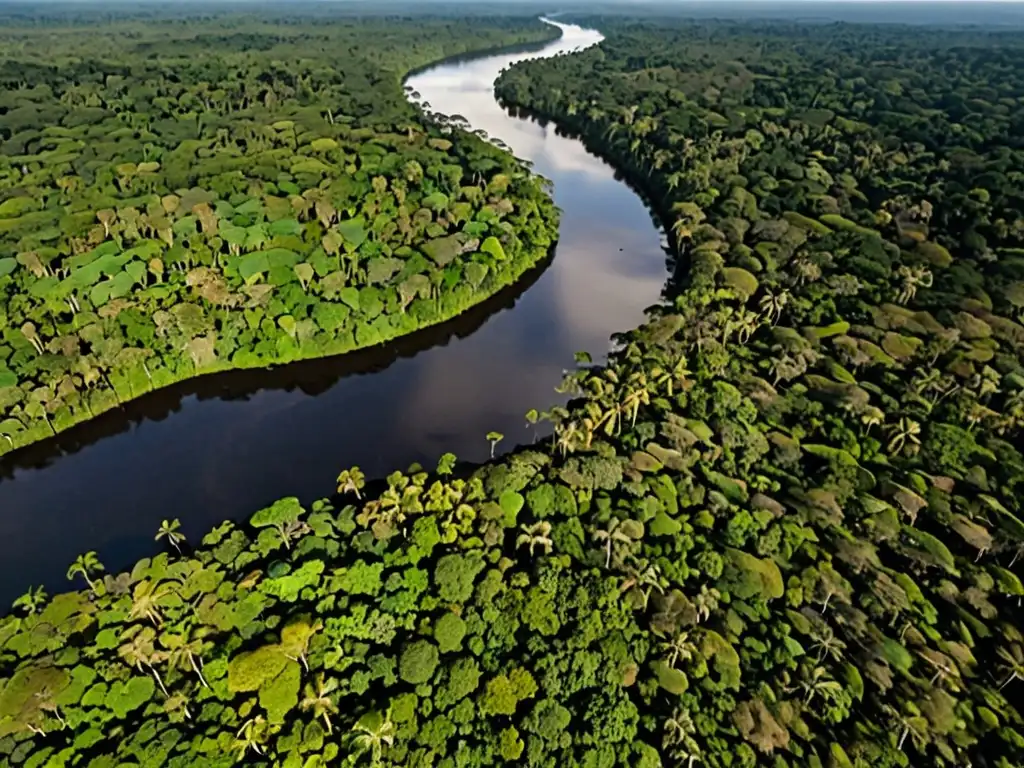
[311, 377]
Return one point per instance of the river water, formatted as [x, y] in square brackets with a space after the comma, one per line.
[224, 446]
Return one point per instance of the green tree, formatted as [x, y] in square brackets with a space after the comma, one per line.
[171, 530]
[32, 600]
[86, 565]
[351, 481]
[372, 733]
[317, 699]
[418, 662]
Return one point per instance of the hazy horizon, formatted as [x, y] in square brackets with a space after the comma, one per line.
[1002, 14]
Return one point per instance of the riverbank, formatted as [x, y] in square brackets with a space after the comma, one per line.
[36, 406]
[216, 445]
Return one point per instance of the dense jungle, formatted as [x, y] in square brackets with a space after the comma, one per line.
[781, 526]
[235, 194]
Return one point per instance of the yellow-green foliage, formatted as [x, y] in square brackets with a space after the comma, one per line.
[742, 282]
[672, 680]
[749, 576]
[20, 700]
[805, 222]
[279, 695]
[250, 670]
[935, 254]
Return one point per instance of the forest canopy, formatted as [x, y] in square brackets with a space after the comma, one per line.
[782, 526]
[179, 197]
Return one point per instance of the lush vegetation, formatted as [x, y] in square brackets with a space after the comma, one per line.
[179, 197]
[780, 527]
[847, 209]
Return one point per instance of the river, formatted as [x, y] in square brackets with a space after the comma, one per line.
[226, 445]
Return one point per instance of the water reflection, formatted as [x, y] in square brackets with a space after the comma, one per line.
[223, 447]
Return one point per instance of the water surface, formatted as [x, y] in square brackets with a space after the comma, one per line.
[224, 446]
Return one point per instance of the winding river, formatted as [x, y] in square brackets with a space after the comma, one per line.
[226, 445]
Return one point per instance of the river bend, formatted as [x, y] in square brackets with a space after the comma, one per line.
[226, 445]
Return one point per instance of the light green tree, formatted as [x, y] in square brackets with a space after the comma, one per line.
[351, 481]
[86, 566]
[372, 733]
[494, 438]
[317, 699]
[171, 530]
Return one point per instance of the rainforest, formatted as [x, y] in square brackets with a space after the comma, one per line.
[778, 524]
[234, 196]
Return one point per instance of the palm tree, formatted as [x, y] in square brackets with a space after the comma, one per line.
[318, 698]
[351, 481]
[678, 648]
[1017, 554]
[912, 277]
[912, 725]
[678, 726]
[146, 602]
[1011, 661]
[946, 669]
[171, 530]
[140, 652]
[986, 383]
[372, 733]
[636, 395]
[706, 601]
[291, 529]
[820, 685]
[786, 367]
[85, 565]
[32, 600]
[772, 305]
[536, 535]
[494, 438]
[567, 435]
[745, 323]
[827, 644]
[872, 416]
[179, 701]
[251, 735]
[301, 634]
[678, 738]
[188, 654]
[532, 417]
[904, 431]
[925, 380]
[612, 535]
[645, 578]
[46, 702]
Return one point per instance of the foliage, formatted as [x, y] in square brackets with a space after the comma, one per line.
[780, 526]
[235, 192]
